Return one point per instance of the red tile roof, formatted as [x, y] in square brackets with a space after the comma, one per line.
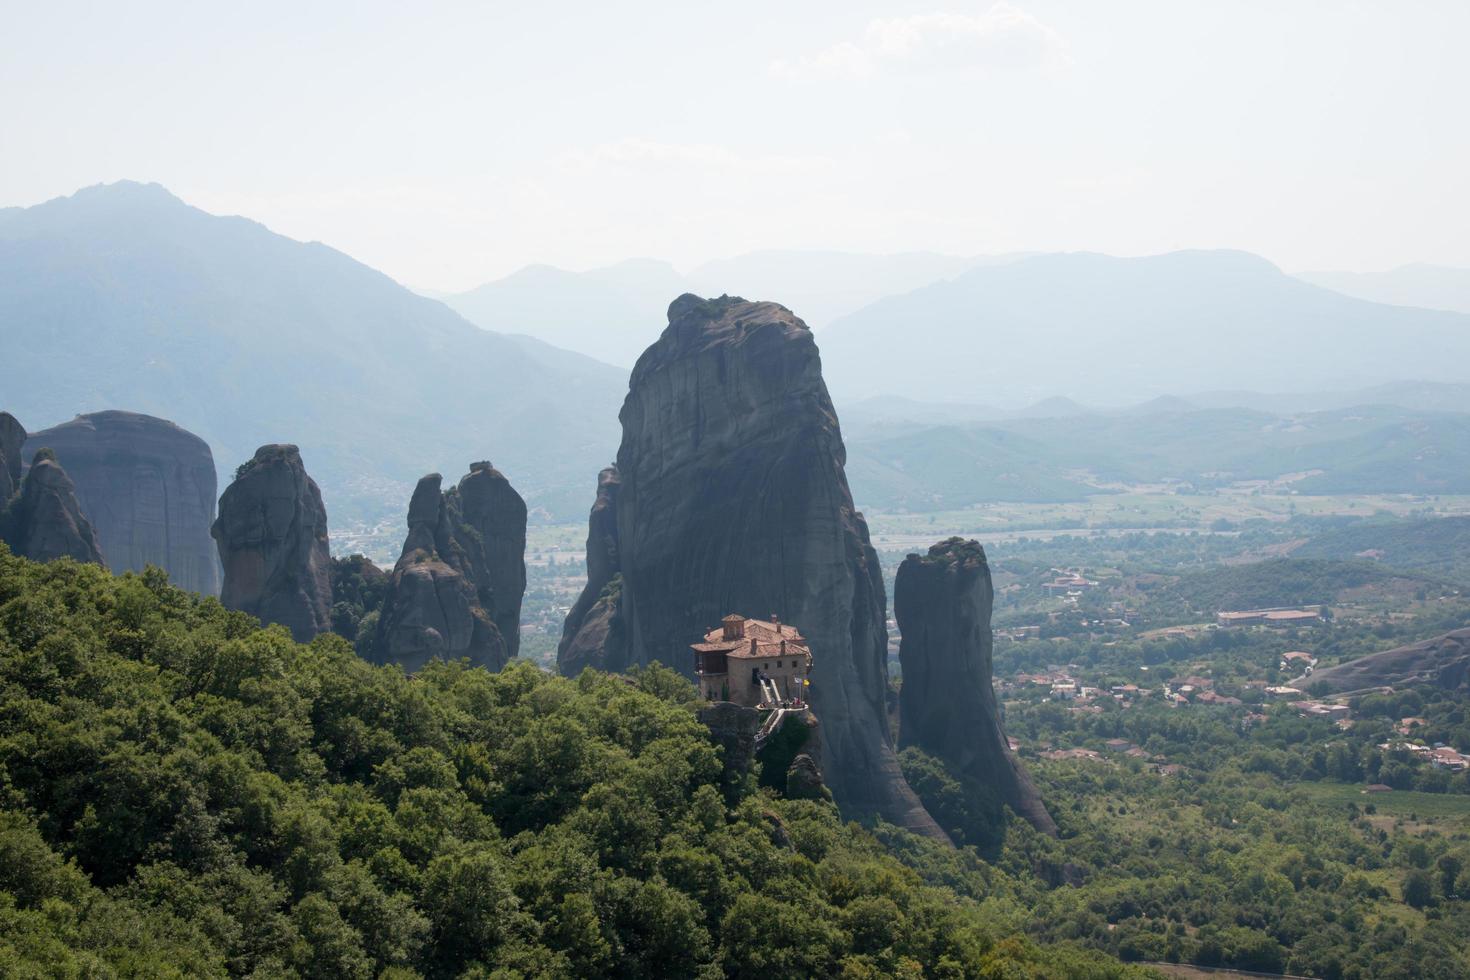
[767, 636]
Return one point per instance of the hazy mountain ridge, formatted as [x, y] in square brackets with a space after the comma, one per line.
[610, 313]
[1434, 287]
[123, 296]
[613, 312]
[1109, 330]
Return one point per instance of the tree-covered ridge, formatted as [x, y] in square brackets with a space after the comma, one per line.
[183, 793]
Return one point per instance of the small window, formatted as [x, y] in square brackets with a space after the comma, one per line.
[778, 665]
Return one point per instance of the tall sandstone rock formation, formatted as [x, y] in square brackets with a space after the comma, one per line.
[12, 441]
[148, 486]
[942, 602]
[491, 506]
[44, 521]
[272, 540]
[732, 498]
[593, 634]
[457, 588]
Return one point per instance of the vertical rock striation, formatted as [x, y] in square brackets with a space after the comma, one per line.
[592, 635]
[498, 515]
[148, 486]
[44, 521]
[457, 588]
[732, 497]
[942, 602]
[12, 441]
[272, 540]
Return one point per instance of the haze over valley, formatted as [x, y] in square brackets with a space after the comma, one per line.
[1015, 378]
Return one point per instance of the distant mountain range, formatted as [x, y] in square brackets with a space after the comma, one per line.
[991, 333]
[1113, 331]
[123, 296]
[610, 314]
[1434, 287]
[614, 313]
[822, 286]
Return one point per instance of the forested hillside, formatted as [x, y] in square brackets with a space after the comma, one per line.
[185, 794]
[1437, 546]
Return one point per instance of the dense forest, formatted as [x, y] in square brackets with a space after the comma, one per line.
[185, 794]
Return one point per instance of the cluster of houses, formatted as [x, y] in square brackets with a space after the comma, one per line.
[1439, 755]
[1069, 582]
[1062, 686]
[1196, 690]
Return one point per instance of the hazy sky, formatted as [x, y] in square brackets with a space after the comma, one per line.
[451, 143]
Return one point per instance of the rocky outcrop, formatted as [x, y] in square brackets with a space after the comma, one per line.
[804, 780]
[457, 588]
[1443, 661]
[942, 602]
[733, 728]
[12, 441]
[272, 540]
[592, 635]
[732, 496]
[600, 642]
[803, 776]
[148, 487]
[497, 513]
[44, 521]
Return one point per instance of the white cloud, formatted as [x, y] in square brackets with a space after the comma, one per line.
[1003, 36]
[844, 59]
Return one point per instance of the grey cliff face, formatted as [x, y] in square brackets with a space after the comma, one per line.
[12, 439]
[733, 727]
[45, 522]
[457, 588]
[272, 540]
[804, 774]
[592, 635]
[492, 507]
[942, 602]
[149, 488]
[733, 498]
